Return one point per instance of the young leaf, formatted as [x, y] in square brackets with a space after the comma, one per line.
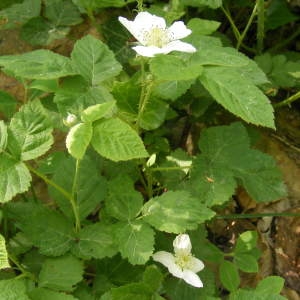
[123, 201]
[37, 64]
[3, 254]
[94, 61]
[175, 212]
[14, 178]
[30, 132]
[116, 140]
[270, 285]
[91, 186]
[246, 262]
[13, 289]
[229, 276]
[135, 240]
[61, 274]
[78, 139]
[238, 95]
[46, 294]
[98, 111]
[95, 241]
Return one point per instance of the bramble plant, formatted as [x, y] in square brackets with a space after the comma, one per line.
[126, 189]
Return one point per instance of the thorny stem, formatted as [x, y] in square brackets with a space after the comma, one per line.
[260, 4]
[289, 100]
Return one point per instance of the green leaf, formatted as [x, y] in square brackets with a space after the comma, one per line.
[61, 274]
[200, 3]
[175, 212]
[98, 111]
[246, 262]
[214, 172]
[48, 230]
[241, 294]
[229, 276]
[116, 140]
[169, 67]
[95, 241]
[3, 136]
[13, 289]
[8, 104]
[131, 291]
[153, 277]
[78, 139]
[91, 186]
[270, 285]
[30, 132]
[123, 201]
[94, 61]
[18, 14]
[14, 178]
[62, 13]
[3, 254]
[45, 294]
[37, 64]
[238, 95]
[202, 26]
[246, 242]
[136, 241]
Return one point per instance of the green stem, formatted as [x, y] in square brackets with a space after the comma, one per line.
[251, 216]
[260, 25]
[20, 268]
[158, 169]
[288, 101]
[232, 24]
[242, 36]
[140, 5]
[73, 197]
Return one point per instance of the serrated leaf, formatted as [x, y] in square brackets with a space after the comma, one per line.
[62, 13]
[95, 241]
[14, 178]
[132, 291]
[13, 289]
[30, 132]
[175, 212]
[3, 254]
[18, 14]
[116, 140]
[229, 276]
[123, 201]
[214, 172]
[270, 285]
[238, 95]
[46, 294]
[169, 67]
[202, 26]
[8, 104]
[61, 274]
[136, 241]
[246, 262]
[91, 186]
[153, 277]
[94, 61]
[3, 136]
[37, 64]
[78, 139]
[98, 111]
[242, 294]
[200, 3]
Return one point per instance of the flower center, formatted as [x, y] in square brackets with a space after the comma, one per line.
[183, 260]
[156, 37]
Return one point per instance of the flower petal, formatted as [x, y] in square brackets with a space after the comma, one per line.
[168, 260]
[196, 265]
[178, 31]
[182, 243]
[192, 278]
[148, 51]
[146, 21]
[179, 46]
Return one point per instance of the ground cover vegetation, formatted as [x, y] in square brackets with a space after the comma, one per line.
[132, 150]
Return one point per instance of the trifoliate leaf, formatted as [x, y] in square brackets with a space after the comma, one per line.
[93, 60]
[175, 212]
[214, 172]
[46, 294]
[95, 241]
[123, 201]
[78, 139]
[37, 64]
[91, 186]
[13, 289]
[14, 178]
[30, 132]
[3, 254]
[238, 95]
[136, 241]
[116, 140]
[61, 273]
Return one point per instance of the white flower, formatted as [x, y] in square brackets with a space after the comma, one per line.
[70, 120]
[154, 36]
[182, 263]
